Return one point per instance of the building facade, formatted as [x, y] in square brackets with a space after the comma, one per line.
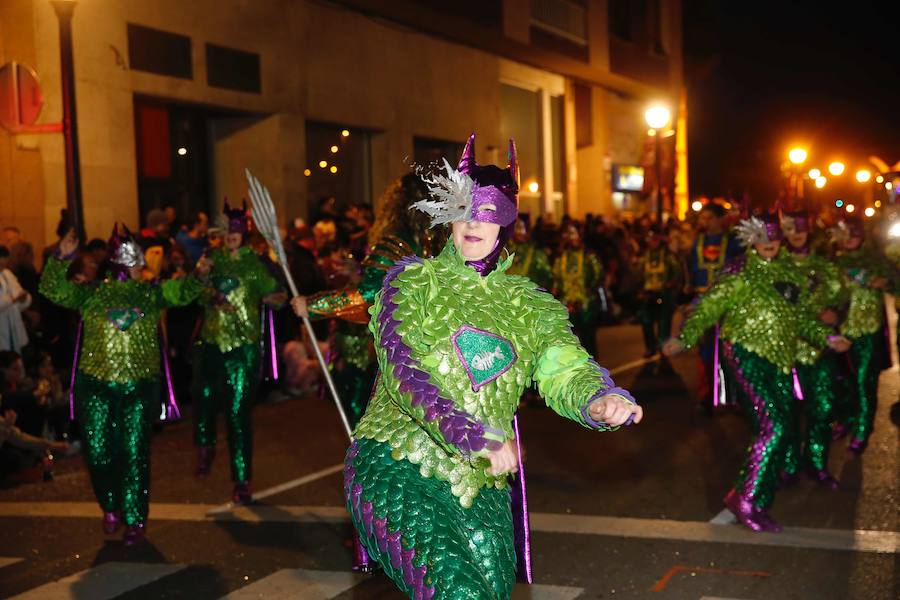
[175, 99]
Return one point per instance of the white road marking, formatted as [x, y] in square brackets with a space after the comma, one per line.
[287, 485]
[633, 365]
[539, 591]
[5, 561]
[298, 583]
[717, 598]
[102, 582]
[664, 529]
[723, 518]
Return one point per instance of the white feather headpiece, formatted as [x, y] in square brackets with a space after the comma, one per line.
[751, 231]
[451, 196]
[839, 233]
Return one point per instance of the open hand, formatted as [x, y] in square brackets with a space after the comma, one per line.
[298, 303]
[504, 460]
[673, 346]
[839, 343]
[614, 410]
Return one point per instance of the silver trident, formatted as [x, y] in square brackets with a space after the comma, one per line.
[267, 224]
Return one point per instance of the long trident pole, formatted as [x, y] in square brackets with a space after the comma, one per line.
[267, 224]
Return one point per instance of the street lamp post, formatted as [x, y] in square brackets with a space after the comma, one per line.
[796, 156]
[657, 118]
[64, 11]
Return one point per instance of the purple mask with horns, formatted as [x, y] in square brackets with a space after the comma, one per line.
[466, 191]
[237, 218]
[124, 254]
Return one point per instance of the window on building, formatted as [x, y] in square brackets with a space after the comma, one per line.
[232, 69]
[620, 19]
[584, 116]
[338, 164]
[159, 52]
[561, 26]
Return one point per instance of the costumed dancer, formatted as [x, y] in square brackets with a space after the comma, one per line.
[660, 284]
[529, 260]
[117, 382]
[227, 354]
[824, 295]
[711, 250]
[867, 276]
[398, 231]
[758, 306]
[457, 341]
[577, 277]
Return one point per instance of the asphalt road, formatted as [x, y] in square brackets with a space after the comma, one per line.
[631, 514]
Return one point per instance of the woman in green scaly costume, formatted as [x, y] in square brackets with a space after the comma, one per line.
[397, 232]
[457, 341]
[762, 320]
[867, 275]
[117, 380]
[226, 358]
[824, 295]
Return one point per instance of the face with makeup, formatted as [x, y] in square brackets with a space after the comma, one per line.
[768, 250]
[476, 239]
[797, 239]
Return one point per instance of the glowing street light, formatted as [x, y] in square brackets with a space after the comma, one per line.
[798, 155]
[333, 169]
[334, 149]
[323, 164]
[657, 116]
[307, 172]
[820, 182]
[878, 204]
[888, 186]
[696, 206]
[850, 208]
[870, 212]
[836, 168]
[533, 187]
[345, 133]
[814, 174]
[863, 175]
[879, 179]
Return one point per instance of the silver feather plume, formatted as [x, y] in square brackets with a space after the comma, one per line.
[751, 231]
[451, 196]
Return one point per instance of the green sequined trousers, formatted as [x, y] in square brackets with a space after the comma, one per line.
[227, 380]
[767, 395]
[424, 539]
[808, 447]
[866, 359]
[115, 418]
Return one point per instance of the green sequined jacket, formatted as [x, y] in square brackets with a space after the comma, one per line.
[761, 308]
[455, 352]
[824, 289]
[866, 312]
[120, 342]
[531, 262]
[231, 300]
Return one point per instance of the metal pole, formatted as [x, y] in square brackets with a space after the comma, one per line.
[658, 186]
[64, 11]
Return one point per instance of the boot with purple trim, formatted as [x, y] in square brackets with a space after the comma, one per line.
[111, 522]
[824, 478]
[134, 534]
[205, 456]
[241, 493]
[768, 523]
[743, 510]
[857, 446]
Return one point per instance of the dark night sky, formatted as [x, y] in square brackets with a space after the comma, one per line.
[762, 75]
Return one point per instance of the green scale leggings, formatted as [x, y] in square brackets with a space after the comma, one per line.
[427, 543]
[866, 360]
[229, 380]
[115, 420]
[817, 383]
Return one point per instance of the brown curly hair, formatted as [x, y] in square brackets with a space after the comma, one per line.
[394, 215]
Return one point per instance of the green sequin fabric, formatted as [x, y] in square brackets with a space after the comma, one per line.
[232, 299]
[531, 262]
[760, 307]
[115, 420]
[121, 320]
[430, 301]
[866, 313]
[429, 545]
[808, 447]
[226, 382]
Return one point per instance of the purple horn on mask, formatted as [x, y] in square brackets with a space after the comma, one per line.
[513, 163]
[467, 160]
